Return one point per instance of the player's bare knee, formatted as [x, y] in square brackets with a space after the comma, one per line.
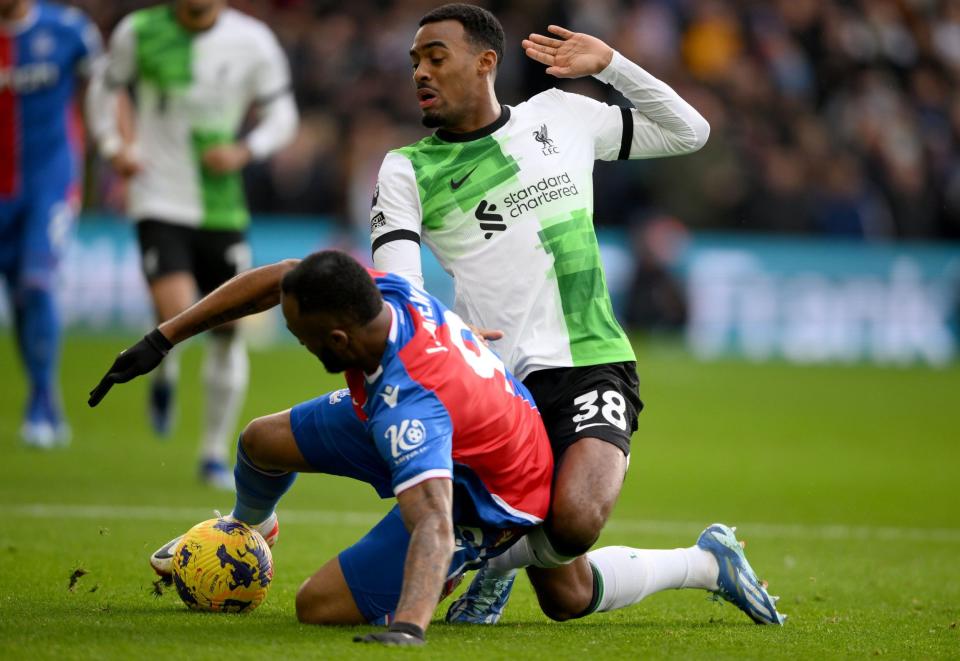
[316, 605]
[255, 440]
[574, 529]
[306, 604]
[311, 605]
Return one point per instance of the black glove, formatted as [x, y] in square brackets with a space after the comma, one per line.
[139, 359]
[398, 634]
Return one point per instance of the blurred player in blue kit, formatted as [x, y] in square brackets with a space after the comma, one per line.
[44, 49]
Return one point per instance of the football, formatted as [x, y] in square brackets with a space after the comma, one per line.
[222, 566]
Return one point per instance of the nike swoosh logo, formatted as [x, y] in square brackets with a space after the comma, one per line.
[592, 424]
[457, 184]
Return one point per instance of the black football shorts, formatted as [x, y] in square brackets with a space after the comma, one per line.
[212, 256]
[596, 401]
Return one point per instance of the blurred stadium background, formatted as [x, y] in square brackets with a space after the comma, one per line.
[820, 222]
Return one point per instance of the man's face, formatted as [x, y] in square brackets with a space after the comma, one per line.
[319, 335]
[445, 73]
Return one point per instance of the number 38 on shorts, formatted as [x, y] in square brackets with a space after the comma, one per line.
[598, 408]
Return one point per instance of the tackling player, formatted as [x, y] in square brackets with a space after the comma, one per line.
[197, 67]
[43, 49]
[503, 197]
[468, 479]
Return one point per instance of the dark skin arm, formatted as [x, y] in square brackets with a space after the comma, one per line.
[427, 511]
[247, 293]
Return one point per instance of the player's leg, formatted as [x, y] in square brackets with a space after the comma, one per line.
[322, 435]
[167, 267]
[47, 226]
[362, 584]
[218, 256]
[589, 474]
[590, 414]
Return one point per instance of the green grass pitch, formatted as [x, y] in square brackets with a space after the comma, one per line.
[843, 480]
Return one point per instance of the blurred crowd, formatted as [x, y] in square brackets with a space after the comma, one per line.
[828, 117]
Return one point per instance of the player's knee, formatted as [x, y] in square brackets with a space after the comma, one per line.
[317, 606]
[309, 605]
[574, 528]
[559, 611]
[555, 614]
[255, 441]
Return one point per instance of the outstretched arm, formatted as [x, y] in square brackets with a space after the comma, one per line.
[248, 293]
[245, 294]
[663, 123]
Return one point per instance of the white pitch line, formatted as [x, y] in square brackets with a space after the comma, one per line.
[619, 525]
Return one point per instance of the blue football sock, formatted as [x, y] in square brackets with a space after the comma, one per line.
[38, 335]
[258, 490]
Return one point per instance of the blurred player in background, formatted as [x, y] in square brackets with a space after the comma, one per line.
[44, 48]
[196, 68]
[504, 198]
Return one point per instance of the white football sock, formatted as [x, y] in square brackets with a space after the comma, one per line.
[226, 371]
[534, 549]
[263, 527]
[630, 575]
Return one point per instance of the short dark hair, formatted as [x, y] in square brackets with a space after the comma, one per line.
[481, 27]
[333, 282]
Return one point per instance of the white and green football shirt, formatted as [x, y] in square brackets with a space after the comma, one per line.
[508, 211]
[192, 91]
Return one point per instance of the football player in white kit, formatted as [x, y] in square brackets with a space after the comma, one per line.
[503, 196]
[196, 68]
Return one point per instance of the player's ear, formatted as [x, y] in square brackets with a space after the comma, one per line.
[339, 338]
[487, 62]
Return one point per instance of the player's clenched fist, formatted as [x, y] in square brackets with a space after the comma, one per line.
[139, 359]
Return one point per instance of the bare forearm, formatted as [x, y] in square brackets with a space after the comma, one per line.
[245, 294]
[425, 570]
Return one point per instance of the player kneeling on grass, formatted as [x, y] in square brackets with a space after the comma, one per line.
[430, 416]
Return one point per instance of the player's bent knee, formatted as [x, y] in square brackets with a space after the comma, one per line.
[558, 611]
[314, 605]
[573, 530]
[554, 613]
[324, 598]
[255, 439]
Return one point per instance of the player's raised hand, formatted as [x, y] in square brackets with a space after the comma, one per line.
[139, 359]
[224, 159]
[571, 55]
